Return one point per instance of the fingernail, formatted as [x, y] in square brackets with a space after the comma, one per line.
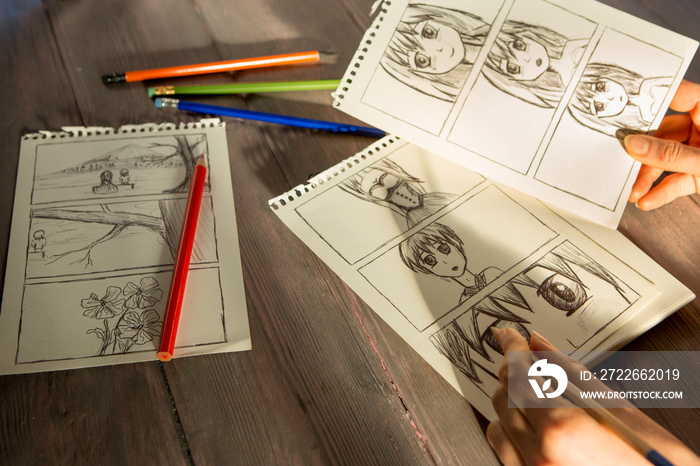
[496, 333]
[637, 144]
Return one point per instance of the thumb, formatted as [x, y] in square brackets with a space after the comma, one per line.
[664, 154]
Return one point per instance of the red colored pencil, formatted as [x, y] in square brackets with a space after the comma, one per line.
[182, 263]
[216, 67]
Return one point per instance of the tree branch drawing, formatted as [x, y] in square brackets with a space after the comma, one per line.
[167, 225]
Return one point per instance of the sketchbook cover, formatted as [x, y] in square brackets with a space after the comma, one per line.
[442, 254]
[534, 94]
[95, 229]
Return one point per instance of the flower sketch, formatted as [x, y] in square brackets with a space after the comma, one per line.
[127, 315]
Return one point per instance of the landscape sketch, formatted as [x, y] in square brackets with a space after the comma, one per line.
[481, 255]
[95, 232]
[535, 94]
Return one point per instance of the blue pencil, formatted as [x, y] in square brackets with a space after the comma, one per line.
[269, 117]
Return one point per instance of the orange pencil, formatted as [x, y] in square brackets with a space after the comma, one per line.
[216, 67]
[182, 263]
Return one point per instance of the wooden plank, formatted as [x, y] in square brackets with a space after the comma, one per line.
[109, 415]
[440, 421]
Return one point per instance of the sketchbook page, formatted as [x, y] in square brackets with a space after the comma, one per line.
[442, 254]
[675, 295]
[95, 230]
[534, 94]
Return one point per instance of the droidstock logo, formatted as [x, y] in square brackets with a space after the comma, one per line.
[543, 369]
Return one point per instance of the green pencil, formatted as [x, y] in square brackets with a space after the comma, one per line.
[245, 88]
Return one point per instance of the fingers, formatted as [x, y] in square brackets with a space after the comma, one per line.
[670, 188]
[645, 180]
[511, 436]
[687, 98]
[664, 154]
[677, 127]
[502, 444]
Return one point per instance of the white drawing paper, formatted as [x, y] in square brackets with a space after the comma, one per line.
[95, 230]
[442, 254]
[534, 94]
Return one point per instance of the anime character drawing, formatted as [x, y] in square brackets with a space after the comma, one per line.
[610, 98]
[468, 342]
[533, 63]
[433, 49]
[388, 184]
[437, 250]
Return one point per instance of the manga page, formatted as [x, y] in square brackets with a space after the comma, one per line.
[95, 231]
[442, 254]
[534, 94]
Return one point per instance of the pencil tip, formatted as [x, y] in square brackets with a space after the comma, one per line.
[114, 78]
[202, 161]
[327, 57]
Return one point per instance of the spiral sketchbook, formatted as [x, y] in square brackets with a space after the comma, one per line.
[95, 230]
[535, 94]
[442, 254]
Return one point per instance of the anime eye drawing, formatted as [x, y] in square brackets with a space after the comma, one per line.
[433, 49]
[609, 99]
[439, 48]
[527, 60]
[533, 63]
[444, 260]
[437, 250]
[563, 293]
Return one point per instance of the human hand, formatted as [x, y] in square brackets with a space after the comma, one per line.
[675, 147]
[561, 433]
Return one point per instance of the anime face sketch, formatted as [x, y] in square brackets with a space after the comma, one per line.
[610, 98]
[532, 62]
[433, 49]
[437, 250]
[389, 185]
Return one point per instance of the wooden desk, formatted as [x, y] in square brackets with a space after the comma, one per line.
[326, 381]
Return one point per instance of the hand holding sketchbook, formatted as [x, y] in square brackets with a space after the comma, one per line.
[95, 230]
[534, 94]
[443, 254]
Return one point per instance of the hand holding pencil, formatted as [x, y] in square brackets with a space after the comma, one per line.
[565, 434]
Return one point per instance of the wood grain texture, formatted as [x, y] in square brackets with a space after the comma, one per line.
[327, 381]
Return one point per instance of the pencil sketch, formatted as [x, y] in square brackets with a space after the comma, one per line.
[533, 63]
[610, 99]
[387, 184]
[433, 49]
[378, 203]
[113, 236]
[126, 316]
[437, 250]
[567, 291]
[451, 260]
[147, 165]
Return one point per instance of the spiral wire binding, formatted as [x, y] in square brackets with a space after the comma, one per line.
[82, 131]
[327, 175]
[355, 63]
